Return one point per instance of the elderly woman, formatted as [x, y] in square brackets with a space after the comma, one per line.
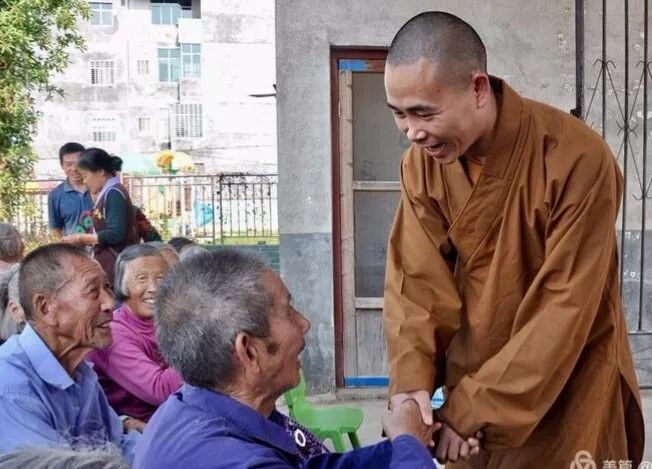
[112, 222]
[11, 246]
[132, 372]
[12, 316]
[226, 322]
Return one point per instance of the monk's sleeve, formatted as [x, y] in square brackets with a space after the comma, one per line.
[422, 304]
[511, 392]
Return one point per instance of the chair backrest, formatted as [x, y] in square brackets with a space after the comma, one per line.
[296, 395]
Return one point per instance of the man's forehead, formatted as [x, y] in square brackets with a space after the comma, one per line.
[71, 156]
[274, 284]
[81, 266]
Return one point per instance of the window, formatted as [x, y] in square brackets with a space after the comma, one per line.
[102, 14]
[169, 12]
[102, 72]
[103, 129]
[188, 120]
[191, 59]
[142, 67]
[143, 124]
[168, 64]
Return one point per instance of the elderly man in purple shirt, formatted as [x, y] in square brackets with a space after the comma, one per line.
[49, 396]
[226, 323]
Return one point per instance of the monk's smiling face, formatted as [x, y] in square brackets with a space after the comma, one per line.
[446, 117]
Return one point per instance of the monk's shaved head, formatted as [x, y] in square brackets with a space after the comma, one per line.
[442, 38]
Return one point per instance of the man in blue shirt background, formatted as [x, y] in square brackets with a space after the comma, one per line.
[49, 396]
[71, 198]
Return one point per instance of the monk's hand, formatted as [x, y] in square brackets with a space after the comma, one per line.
[452, 447]
[405, 419]
[475, 442]
[422, 398]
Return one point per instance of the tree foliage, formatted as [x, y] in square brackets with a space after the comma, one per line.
[36, 38]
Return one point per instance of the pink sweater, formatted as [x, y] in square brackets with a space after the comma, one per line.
[132, 371]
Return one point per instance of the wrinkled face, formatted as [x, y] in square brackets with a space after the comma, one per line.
[94, 180]
[439, 117]
[142, 278]
[288, 327]
[69, 165]
[82, 307]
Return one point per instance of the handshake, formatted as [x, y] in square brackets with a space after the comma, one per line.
[411, 414]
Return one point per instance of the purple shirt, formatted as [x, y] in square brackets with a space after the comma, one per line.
[133, 373]
[202, 429]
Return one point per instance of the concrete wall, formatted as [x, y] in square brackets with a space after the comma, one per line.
[239, 131]
[531, 44]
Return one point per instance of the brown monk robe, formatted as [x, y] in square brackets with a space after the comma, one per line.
[507, 292]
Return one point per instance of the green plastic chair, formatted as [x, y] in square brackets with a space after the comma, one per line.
[327, 423]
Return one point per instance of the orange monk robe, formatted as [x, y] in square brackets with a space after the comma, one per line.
[507, 292]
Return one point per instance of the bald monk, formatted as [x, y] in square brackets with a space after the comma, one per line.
[502, 269]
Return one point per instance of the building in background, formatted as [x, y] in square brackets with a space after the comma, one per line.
[170, 74]
[336, 207]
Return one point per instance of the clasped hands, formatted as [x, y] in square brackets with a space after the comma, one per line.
[411, 413]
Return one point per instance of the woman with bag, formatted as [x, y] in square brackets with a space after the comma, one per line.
[111, 224]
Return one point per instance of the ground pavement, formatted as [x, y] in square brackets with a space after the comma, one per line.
[373, 403]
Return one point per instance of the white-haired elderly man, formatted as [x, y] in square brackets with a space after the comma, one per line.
[49, 396]
[226, 323]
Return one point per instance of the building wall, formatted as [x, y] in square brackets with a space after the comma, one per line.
[530, 44]
[239, 131]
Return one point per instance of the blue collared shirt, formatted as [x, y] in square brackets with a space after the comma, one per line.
[65, 207]
[201, 429]
[41, 405]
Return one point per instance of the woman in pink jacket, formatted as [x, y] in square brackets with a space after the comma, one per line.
[132, 371]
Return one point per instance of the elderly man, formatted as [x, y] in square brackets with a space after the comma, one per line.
[227, 324]
[49, 396]
[502, 269]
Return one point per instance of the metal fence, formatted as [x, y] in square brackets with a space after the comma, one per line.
[218, 209]
[612, 96]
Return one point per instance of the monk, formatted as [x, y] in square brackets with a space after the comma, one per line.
[502, 273]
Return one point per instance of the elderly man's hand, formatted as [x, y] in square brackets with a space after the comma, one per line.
[421, 397]
[405, 419]
[452, 447]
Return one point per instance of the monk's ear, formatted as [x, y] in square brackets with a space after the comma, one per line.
[247, 351]
[482, 88]
[43, 307]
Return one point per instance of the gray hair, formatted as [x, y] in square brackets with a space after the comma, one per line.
[8, 292]
[191, 251]
[202, 305]
[131, 253]
[161, 246]
[42, 271]
[11, 242]
[108, 457]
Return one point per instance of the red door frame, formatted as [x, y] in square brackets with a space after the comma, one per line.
[338, 53]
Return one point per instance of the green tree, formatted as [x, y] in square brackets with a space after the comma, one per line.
[36, 38]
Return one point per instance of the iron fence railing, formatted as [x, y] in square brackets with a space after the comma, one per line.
[219, 209]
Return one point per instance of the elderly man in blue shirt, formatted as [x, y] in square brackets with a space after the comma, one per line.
[226, 323]
[49, 396]
[71, 198]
